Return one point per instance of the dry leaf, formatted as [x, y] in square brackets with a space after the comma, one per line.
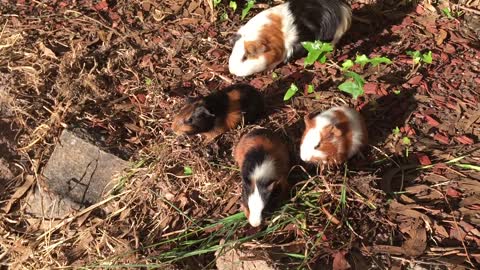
[46, 51]
[416, 244]
[440, 37]
[29, 180]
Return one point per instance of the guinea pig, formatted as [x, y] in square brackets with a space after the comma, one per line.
[264, 163]
[332, 136]
[275, 35]
[220, 111]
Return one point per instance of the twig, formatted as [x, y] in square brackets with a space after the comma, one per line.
[467, 9]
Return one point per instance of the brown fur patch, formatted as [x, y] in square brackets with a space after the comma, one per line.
[270, 43]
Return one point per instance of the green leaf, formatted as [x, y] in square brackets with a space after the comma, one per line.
[295, 255]
[311, 58]
[352, 88]
[224, 17]
[396, 131]
[310, 89]
[347, 64]
[362, 60]
[216, 2]
[233, 5]
[187, 170]
[397, 92]
[148, 81]
[290, 92]
[317, 50]
[274, 75]
[356, 77]
[247, 8]
[446, 12]
[427, 57]
[406, 141]
[379, 60]
[416, 56]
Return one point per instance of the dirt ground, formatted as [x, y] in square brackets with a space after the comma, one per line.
[121, 69]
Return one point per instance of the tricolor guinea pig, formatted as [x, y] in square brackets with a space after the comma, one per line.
[264, 163]
[275, 35]
[332, 136]
[220, 111]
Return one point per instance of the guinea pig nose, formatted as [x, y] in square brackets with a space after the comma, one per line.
[235, 37]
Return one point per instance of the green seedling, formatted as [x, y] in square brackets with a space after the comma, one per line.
[216, 2]
[148, 81]
[362, 60]
[290, 92]
[233, 5]
[397, 92]
[406, 141]
[310, 89]
[354, 84]
[347, 64]
[396, 131]
[224, 17]
[380, 60]
[317, 51]
[446, 12]
[419, 57]
[187, 170]
[274, 75]
[247, 8]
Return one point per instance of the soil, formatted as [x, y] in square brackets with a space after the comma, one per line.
[119, 71]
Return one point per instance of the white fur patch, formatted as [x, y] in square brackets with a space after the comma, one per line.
[255, 202]
[265, 170]
[357, 130]
[255, 206]
[312, 137]
[251, 32]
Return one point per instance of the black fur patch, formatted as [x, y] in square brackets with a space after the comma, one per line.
[316, 19]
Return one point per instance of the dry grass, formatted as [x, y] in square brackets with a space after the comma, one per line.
[70, 68]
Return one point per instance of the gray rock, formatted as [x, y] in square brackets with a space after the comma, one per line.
[77, 175]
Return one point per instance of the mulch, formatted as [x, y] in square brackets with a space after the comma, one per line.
[121, 69]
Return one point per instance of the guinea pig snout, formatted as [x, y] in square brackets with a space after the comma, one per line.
[255, 205]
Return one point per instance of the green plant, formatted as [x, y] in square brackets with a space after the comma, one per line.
[247, 8]
[216, 2]
[187, 170]
[233, 5]
[317, 50]
[353, 85]
[290, 92]
[148, 81]
[446, 12]
[420, 57]
[310, 89]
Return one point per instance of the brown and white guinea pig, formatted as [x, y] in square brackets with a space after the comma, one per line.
[275, 35]
[264, 163]
[332, 136]
[220, 111]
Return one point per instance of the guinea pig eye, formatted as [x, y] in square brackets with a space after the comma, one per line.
[244, 58]
[187, 121]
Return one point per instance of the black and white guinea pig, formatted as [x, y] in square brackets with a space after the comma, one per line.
[275, 35]
[333, 136]
[264, 163]
[220, 111]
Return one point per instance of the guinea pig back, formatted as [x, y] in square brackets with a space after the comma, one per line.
[264, 164]
[332, 136]
[220, 111]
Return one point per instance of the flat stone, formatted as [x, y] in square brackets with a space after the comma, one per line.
[236, 259]
[78, 174]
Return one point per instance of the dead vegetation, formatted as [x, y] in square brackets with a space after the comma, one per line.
[120, 69]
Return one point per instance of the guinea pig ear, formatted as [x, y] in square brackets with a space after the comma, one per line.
[337, 132]
[308, 121]
[234, 38]
[271, 186]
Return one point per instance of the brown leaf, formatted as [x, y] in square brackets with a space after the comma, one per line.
[29, 180]
[415, 80]
[453, 193]
[441, 138]
[370, 88]
[417, 243]
[423, 159]
[464, 140]
[440, 37]
[457, 233]
[432, 122]
[440, 230]
[340, 262]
